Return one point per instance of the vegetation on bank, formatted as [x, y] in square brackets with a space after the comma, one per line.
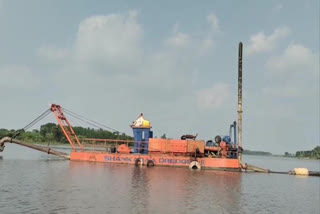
[52, 133]
[248, 152]
[314, 153]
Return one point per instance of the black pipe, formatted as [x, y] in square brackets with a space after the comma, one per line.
[240, 98]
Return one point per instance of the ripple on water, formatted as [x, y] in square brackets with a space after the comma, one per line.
[37, 186]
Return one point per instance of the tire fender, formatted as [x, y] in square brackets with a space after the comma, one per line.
[195, 165]
[150, 163]
[138, 162]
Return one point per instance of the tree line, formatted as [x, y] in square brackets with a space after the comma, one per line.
[51, 132]
[249, 152]
[315, 153]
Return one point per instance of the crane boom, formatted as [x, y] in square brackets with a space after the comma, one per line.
[66, 127]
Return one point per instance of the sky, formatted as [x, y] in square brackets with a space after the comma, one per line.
[173, 61]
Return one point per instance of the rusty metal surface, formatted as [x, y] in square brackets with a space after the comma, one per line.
[195, 144]
[175, 146]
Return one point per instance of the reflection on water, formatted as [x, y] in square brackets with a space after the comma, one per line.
[139, 191]
[37, 183]
[176, 190]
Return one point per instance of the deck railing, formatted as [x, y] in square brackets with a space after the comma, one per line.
[111, 145]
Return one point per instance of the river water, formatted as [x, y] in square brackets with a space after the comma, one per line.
[34, 182]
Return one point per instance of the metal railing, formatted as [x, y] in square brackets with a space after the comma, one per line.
[111, 145]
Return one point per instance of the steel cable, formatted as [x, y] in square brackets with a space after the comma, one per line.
[92, 122]
[68, 113]
[32, 123]
[43, 115]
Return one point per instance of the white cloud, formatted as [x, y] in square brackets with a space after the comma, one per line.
[105, 41]
[108, 66]
[296, 58]
[53, 53]
[294, 73]
[179, 40]
[198, 43]
[214, 22]
[213, 97]
[283, 91]
[112, 40]
[262, 43]
[207, 43]
[17, 77]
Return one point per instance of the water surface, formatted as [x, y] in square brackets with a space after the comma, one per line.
[34, 182]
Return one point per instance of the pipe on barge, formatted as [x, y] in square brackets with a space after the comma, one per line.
[32, 146]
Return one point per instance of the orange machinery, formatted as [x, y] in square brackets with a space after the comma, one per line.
[175, 147]
[161, 152]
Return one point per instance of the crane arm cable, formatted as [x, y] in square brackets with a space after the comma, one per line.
[32, 123]
[91, 122]
[70, 114]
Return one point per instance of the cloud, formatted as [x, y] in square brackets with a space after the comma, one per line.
[199, 44]
[295, 58]
[213, 97]
[179, 40]
[105, 41]
[17, 77]
[260, 43]
[107, 51]
[214, 22]
[284, 91]
[208, 41]
[294, 73]
[112, 40]
[53, 53]
[110, 67]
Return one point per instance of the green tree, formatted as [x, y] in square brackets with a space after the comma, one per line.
[57, 133]
[52, 132]
[47, 129]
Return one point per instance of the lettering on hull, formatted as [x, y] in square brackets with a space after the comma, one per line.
[177, 161]
[214, 163]
[125, 159]
[161, 161]
[117, 159]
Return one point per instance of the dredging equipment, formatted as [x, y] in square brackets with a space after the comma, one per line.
[47, 150]
[220, 153]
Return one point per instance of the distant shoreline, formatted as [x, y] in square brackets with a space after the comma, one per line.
[260, 153]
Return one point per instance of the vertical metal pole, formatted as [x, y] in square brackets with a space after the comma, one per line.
[235, 133]
[240, 100]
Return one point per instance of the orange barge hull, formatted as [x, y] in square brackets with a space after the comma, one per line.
[158, 160]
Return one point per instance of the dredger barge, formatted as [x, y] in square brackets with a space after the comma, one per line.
[144, 149]
[222, 153]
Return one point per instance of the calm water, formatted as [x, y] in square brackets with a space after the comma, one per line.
[33, 182]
